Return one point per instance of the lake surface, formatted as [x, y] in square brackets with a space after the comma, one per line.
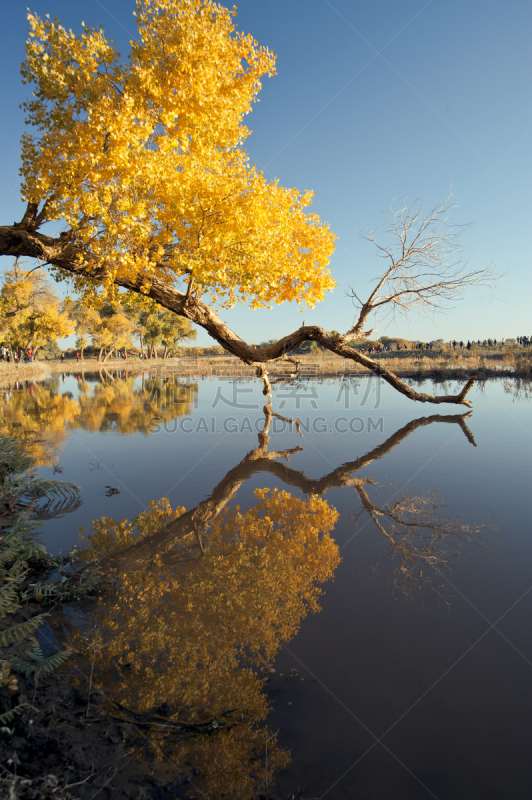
[413, 680]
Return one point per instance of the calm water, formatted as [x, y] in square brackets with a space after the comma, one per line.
[414, 680]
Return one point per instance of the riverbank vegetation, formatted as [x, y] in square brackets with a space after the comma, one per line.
[33, 318]
[413, 366]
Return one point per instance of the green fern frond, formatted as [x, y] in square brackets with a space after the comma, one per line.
[37, 654]
[21, 665]
[9, 716]
[52, 488]
[55, 660]
[21, 527]
[12, 457]
[40, 663]
[18, 632]
[55, 507]
[8, 600]
[64, 590]
[41, 591]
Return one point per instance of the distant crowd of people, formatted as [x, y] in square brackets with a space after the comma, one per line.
[15, 356]
[524, 341]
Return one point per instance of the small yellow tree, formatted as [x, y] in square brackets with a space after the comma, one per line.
[86, 322]
[110, 330]
[30, 312]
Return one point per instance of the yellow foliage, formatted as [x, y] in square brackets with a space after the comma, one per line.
[114, 331]
[144, 159]
[39, 418]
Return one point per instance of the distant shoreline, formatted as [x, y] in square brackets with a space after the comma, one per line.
[421, 366]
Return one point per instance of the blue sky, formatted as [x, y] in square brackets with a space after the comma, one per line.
[372, 101]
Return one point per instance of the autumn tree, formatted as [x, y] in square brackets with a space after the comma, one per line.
[143, 162]
[110, 329]
[86, 321]
[175, 332]
[30, 312]
[157, 326]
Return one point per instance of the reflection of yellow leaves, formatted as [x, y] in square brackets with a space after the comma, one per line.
[40, 418]
[111, 535]
[124, 409]
[47, 415]
[200, 630]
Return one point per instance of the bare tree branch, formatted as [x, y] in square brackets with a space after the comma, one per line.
[425, 268]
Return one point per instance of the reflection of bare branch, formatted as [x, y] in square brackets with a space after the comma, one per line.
[417, 534]
[185, 529]
[287, 419]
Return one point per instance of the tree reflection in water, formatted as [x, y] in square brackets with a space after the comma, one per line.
[200, 601]
[421, 536]
[520, 388]
[41, 416]
[191, 637]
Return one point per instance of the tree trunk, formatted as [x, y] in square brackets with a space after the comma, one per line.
[22, 240]
[111, 351]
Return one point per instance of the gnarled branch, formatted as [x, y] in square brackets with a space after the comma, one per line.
[64, 252]
[258, 460]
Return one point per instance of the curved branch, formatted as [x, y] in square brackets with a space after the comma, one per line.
[64, 253]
